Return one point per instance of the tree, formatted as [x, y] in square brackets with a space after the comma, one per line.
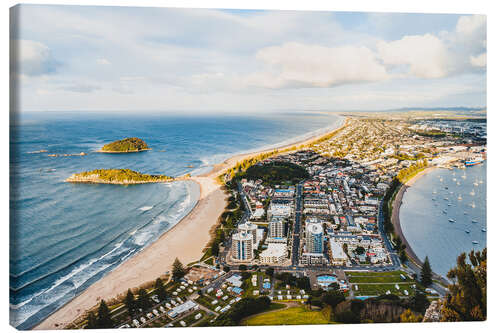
[270, 271]
[130, 302]
[409, 317]
[344, 247]
[143, 300]
[359, 250]
[466, 300]
[160, 289]
[91, 321]
[419, 302]
[426, 273]
[333, 297]
[178, 270]
[103, 316]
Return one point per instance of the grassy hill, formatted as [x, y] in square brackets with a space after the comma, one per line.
[125, 146]
[116, 176]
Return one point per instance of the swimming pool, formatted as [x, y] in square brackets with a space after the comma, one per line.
[325, 280]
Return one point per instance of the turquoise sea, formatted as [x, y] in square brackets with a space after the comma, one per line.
[64, 237]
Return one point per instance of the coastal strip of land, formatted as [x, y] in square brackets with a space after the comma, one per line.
[396, 205]
[186, 241]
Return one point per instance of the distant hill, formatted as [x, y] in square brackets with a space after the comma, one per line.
[455, 108]
[127, 145]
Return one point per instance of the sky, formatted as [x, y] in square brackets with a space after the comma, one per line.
[67, 58]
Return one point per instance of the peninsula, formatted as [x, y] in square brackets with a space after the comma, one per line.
[116, 176]
[127, 145]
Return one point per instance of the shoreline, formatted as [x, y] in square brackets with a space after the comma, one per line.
[155, 259]
[228, 163]
[396, 205]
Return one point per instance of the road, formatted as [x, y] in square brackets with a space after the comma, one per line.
[297, 226]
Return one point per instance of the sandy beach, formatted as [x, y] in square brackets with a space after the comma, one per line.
[186, 241]
[396, 204]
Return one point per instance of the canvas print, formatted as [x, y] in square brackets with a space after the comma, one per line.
[178, 167]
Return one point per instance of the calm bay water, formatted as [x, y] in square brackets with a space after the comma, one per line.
[435, 198]
[64, 237]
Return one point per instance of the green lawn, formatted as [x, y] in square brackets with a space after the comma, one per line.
[381, 289]
[291, 316]
[375, 273]
[377, 279]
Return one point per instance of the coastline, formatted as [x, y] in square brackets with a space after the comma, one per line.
[396, 205]
[186, 241]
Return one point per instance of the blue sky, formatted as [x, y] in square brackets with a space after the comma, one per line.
[123, 58]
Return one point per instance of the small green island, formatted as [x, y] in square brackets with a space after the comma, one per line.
[127, 145]
[116, 176]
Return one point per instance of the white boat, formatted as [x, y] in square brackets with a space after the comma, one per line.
[451, 220]
[467, 231]
[449, 204]
[475, 242]
[459, 197]
[445, 199]
[454, 179]
[474, 221]
[473, 205]
[483, 230]
[472, 192]
[458, 183]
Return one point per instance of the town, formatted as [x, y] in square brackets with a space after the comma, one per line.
[305, 224]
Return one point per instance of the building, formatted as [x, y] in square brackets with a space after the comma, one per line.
[242, 246]
[276, 228]
[183, 308]
[280, 207]
[314, 238]
[251, 229]
[337, 254]
[276, 253]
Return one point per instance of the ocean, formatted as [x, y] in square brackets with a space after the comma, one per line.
[64, 237]
[430, 203]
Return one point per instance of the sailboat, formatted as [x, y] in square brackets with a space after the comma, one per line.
[459, 197]
[472, 192]
[473, 205]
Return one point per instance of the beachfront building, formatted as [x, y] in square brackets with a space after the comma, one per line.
[337, 254]
[242, 246]
[276, 228]
[276, 253]
[251, 229]
[314, 238]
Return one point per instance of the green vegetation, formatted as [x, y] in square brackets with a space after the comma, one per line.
[246, 307]
[426, 273]
[291, 316]
[125, 146]
[467, 298]
[431, 134]
[178, 270]
[116, 176]
[406, 174]
[275, 173]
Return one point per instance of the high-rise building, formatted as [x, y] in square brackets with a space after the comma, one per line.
[242, 246]
[276, 228]
[314, 238]
[249, 228]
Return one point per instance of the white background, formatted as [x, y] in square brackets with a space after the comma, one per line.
[419, 6]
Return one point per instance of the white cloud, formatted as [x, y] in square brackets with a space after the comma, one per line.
[31, 58]
[470, 25]
[81, 88]
[478, 61]
[301, 65]
[425, 55]
[103, 61]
